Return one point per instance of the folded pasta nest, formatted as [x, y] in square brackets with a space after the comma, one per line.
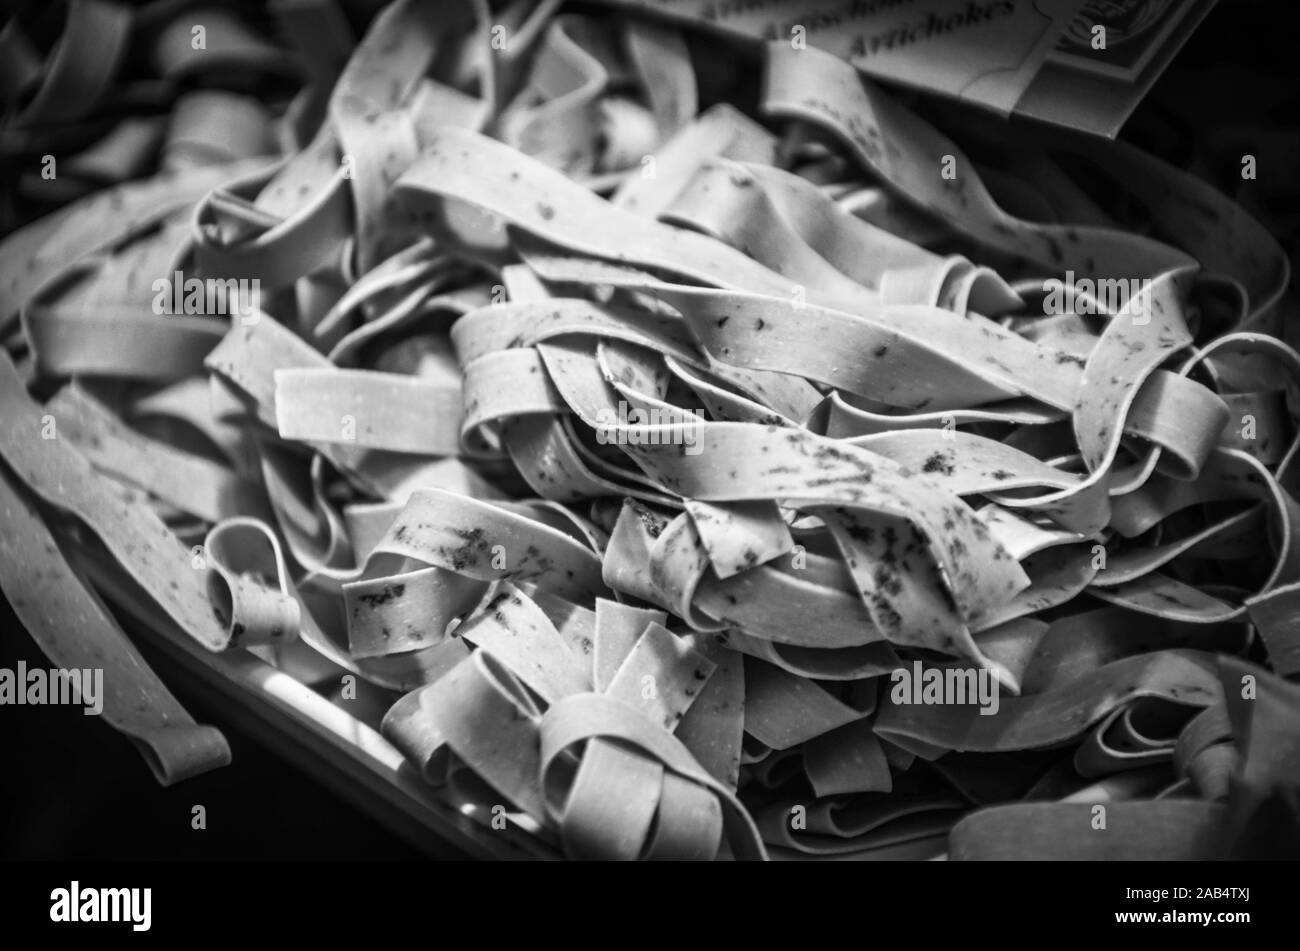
[676, 443]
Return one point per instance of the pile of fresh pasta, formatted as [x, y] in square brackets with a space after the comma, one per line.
[692, 448]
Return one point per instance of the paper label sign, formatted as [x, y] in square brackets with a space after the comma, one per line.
[1085, 64]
